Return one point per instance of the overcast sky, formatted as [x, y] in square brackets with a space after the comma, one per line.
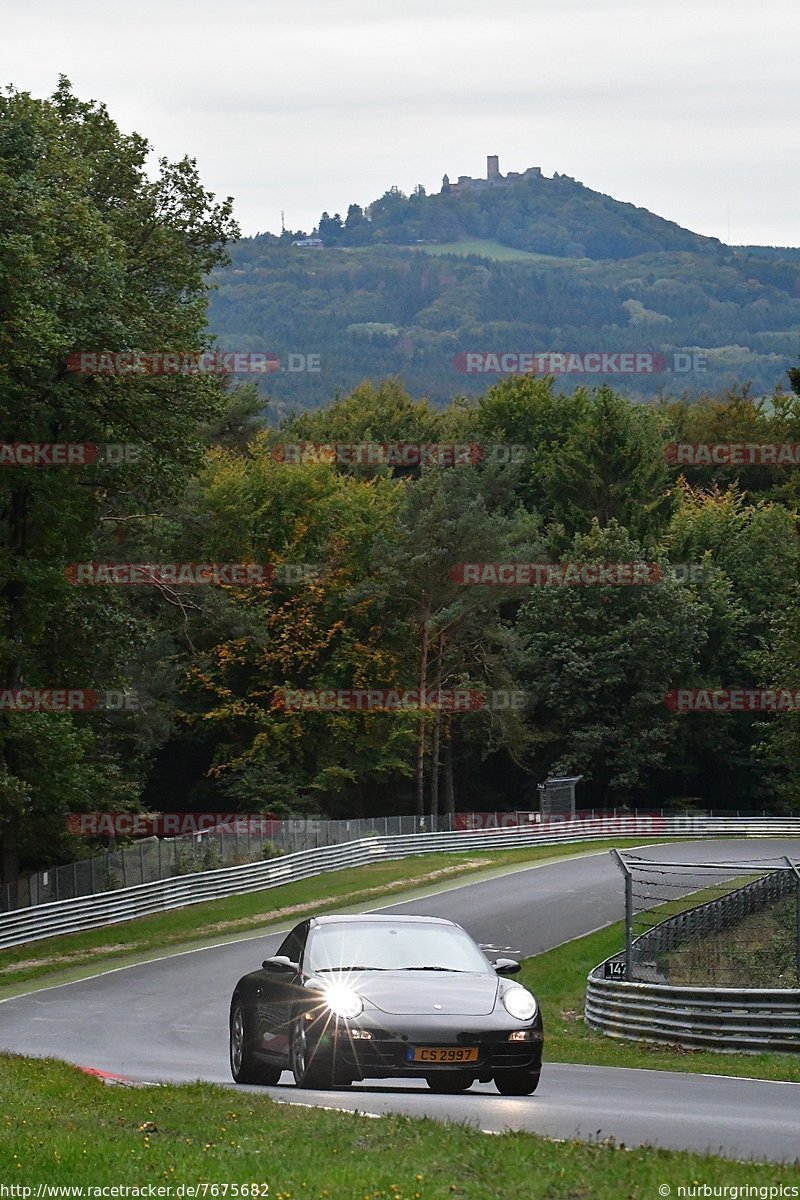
[686, 107]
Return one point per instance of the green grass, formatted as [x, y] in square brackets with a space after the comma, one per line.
[494, 250]
[484, 247]
[70, 956]
[70, 1129]
[558, 978]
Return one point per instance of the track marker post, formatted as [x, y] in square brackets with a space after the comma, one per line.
[623, 866]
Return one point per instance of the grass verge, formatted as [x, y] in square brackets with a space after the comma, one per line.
[558, 978]
[55, 960]
[70, 1129]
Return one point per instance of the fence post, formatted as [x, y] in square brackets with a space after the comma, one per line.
[793, 867]
[623, 866]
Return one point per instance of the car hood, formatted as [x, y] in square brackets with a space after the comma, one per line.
[407, 993]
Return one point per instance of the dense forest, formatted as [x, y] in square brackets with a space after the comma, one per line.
[364, 588]
[408, 284]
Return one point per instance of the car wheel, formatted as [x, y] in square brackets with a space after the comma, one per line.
[449, 1082]
[311, 1067]
[520, 1082]
[245, 1067]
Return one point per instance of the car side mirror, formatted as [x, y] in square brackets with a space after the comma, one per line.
[507, 966]
[280, 962]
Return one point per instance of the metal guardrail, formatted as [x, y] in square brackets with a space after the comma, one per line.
[125, 904]
[152, 858]
[717, 1018]
[246, 840]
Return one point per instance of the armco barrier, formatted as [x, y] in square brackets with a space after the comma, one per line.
[722, 1018]
[108, 908]
[719, 1018]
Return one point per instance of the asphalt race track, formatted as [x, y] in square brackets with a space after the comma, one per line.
[167, 1021]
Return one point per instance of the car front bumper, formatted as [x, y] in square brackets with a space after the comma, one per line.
[367, 1049]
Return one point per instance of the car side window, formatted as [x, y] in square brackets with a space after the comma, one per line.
[294, 944]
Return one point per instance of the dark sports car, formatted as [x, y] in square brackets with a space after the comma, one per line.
[378, 997]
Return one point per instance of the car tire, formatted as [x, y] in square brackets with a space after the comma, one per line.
[449, 1082]
[245, 1066]
[311, 1067]
[518, 1082]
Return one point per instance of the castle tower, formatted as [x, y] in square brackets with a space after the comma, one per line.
[492, 167]
[445, 183]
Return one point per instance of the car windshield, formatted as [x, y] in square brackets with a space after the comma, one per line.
[393, 947]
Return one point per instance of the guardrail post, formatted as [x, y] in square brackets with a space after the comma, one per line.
[793, 867]
[623, 866]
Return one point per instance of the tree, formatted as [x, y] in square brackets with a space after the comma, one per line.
[794, 379]
[598, 662]
[746, 559]
[381, 414]
[776, 663]
[449, 516]
[94, 256]
[610, 467]
[321, 632]
[330, 228]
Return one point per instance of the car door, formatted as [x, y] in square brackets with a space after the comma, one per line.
[278, 994]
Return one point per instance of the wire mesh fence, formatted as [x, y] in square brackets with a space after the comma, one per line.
[153, 858]
[734, 924]
[242, 840]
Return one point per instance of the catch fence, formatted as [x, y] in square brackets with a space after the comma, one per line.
[715, 924]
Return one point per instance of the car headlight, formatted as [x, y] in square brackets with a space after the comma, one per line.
[520, 1003]
[343, 1001]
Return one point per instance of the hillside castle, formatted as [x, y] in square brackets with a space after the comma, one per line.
[493, 178]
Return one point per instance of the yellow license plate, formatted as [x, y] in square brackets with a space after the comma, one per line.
[445, 1054]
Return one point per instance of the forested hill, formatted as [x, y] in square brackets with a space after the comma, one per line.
[409, 285]
[558, 216]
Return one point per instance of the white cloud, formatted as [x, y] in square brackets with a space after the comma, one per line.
[688, 110]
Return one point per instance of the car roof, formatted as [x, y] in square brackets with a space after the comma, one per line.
[380, 918]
